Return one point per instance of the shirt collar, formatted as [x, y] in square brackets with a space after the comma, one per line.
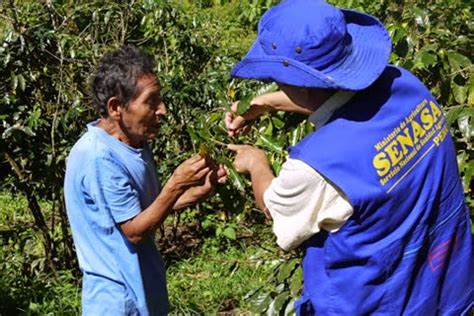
[325, 111]
[92, 126]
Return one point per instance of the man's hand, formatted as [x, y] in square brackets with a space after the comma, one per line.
[193, 180]
[248, 158]
[190, 172]
[268, 102]
[241, 124]
[196, 193]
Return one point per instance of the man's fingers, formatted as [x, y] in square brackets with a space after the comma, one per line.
[221, 171]
[245, 130]
[201, 173]
[234, 107]
[209, 177]
[222, 179]
[237, 148]
[237, 123]
[234, 147]
[229, 117]
[240, 124]
[195, 159]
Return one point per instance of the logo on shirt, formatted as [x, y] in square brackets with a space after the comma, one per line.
[408, 143]
[437, 256]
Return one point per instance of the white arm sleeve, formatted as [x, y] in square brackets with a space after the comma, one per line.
[301, 203]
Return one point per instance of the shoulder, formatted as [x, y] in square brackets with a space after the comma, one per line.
[400, 75]
[91, 151]
[297, 175]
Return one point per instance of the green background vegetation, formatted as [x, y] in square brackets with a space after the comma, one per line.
[220, 255]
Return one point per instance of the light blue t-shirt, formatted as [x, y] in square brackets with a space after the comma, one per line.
[108, 182]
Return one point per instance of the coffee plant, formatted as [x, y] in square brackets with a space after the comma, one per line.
[48, 52]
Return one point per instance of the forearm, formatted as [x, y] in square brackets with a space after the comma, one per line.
[261, 177]
[188, 198]
[137, 228]
[279, 101]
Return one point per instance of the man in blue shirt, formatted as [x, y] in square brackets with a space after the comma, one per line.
[113, 198]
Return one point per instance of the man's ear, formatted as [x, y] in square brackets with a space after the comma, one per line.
[114, 108]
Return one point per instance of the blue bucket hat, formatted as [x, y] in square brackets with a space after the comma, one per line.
[309, 43]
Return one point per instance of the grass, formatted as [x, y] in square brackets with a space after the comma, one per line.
[218, 279]
[213, 278]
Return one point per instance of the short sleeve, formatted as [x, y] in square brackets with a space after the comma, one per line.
[111, 189]
[301, 203]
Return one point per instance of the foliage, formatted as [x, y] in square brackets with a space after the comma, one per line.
[217, 278]
[48, 51]
[25, 282]
[208, 278]
[286, 281]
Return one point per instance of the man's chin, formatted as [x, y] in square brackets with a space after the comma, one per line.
[152, 135]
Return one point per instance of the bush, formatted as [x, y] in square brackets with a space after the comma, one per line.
[50, 48]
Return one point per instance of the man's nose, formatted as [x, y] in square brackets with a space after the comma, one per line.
[161, 110]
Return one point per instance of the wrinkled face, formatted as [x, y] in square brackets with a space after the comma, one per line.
[141, 119]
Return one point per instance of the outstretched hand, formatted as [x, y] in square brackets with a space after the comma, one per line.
[248, 158]
[216, 175]
[191, 172]
[240, 124]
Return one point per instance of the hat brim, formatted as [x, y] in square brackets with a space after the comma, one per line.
[371, 47]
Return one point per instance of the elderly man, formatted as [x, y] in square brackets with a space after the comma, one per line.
[113, 197]
[373, 196]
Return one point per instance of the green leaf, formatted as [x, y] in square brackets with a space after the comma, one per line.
[266, 88]
[21, 82]
[459, 92]
[286, 269]
[424, 59]
[268, 130]
[278, 303]
[261, 303]
[461, 159]
[295, 135]
[421, 17]
[14, 80]
[396, 33]
[452, 115]
[252, 293]
[466, 123]
[244, 105]
[468, 176]
[269, 143]
[279, 124]
[458, 61]
[194, 136]
[25, 129]
[229, 232]
[277, 164]
[296, 282]
[236, 179]
[470, 99]
[290, 307]
[107, 17]
[214, 117]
